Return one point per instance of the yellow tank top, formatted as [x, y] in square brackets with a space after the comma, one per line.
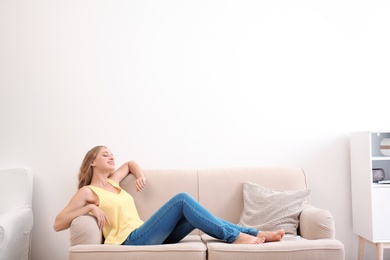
[120, 210]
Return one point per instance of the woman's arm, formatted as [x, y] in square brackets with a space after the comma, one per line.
[133, 168]
[80, 204]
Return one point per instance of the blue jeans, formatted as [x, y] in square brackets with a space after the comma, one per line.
[177, 218]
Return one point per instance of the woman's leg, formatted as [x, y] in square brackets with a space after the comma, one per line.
[183, 228]
[177, 218]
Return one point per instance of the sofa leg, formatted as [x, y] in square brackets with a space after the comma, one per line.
[361, 248]
[379, 251]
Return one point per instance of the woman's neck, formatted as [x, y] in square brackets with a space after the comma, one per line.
[100, 179]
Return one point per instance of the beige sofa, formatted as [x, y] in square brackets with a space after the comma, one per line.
[221, 192]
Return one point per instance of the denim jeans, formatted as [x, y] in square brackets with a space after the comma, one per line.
[177, 218]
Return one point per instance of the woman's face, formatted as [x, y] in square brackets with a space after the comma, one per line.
[104, 160]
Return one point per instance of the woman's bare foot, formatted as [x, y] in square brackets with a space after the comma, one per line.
[248, 239]
[271, 236]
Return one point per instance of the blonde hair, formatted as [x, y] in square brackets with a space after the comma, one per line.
[86, 170]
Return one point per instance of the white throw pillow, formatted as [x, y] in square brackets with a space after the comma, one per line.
[270, 210]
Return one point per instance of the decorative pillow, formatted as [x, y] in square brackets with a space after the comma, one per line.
[270, 210]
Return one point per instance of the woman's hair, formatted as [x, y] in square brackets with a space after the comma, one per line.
[85, 174]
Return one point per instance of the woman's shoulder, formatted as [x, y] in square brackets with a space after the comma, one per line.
[85, 191]
[87, 194]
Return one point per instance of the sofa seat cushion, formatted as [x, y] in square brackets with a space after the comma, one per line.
[190, 248]
[298, 249]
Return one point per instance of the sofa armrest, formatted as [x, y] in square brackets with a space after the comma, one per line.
[15, 233]
[84, 230]
[316, 223]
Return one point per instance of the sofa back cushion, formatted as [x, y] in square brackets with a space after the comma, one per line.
[221, 190]
[161, 185]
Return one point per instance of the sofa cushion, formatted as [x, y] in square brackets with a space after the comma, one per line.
[190, 248]
[269, 210]
[161, 185]
[299, 249]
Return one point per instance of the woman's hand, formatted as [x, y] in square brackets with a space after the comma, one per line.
[140, 183]
[100, 216]
[81, 203]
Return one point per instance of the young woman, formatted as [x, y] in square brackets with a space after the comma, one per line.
[99, 194]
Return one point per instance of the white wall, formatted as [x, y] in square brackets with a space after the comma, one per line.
[183, 83]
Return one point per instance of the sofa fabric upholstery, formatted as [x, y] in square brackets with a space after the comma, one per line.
[190, 248]
[287, 249]
[16, 214]
[221, 192]
[316, 223]
[84, 230]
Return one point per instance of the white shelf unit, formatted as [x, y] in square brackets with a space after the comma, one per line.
[370, 201]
